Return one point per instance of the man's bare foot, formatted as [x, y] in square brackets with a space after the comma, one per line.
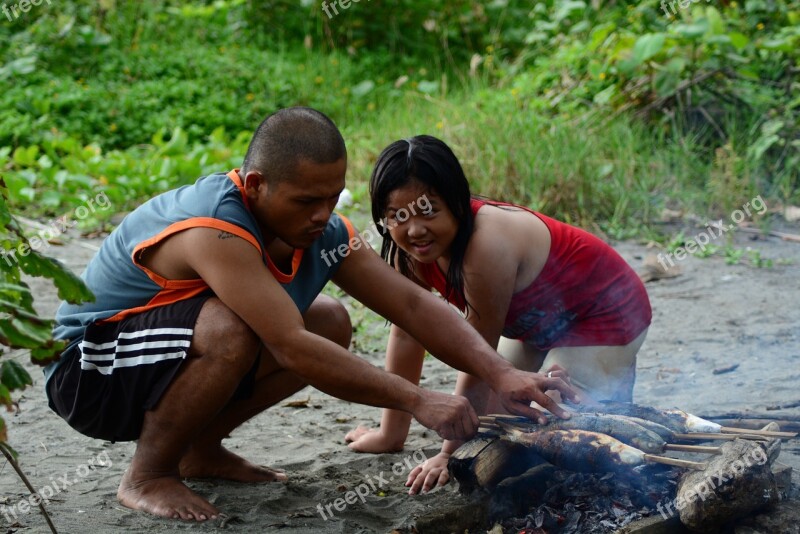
[165, 497]
[219, 462]
[364, 439]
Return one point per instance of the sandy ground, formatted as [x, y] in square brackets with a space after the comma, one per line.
[712, 316]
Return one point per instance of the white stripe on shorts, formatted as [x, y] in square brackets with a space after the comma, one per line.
[131, 362]
[112, 351]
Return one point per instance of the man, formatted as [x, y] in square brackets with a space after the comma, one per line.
[208, 312]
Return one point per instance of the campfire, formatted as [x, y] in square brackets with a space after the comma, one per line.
[601, 471]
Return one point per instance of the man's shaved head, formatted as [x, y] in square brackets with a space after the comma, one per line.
[288, 136]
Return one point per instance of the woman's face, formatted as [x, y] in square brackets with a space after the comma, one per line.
[420, 222]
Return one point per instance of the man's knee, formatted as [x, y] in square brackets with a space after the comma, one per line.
[327, 317]
[220, 333]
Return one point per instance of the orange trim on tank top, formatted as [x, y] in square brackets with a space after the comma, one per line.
[351, 232]
[176, 290]
[237, 180]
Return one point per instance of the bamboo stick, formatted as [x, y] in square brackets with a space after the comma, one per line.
[674, 462]
[511, 418]
[693, 448]
[706, 436]
[765, 433]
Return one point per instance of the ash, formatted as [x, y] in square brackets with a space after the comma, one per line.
[588, 503]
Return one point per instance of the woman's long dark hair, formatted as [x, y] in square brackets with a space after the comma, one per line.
[430, 162]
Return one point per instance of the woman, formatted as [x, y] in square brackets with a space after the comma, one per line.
[547, 295]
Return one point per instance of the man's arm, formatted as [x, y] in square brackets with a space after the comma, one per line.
[234, 271]
[365, 276]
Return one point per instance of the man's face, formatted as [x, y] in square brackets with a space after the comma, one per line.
[296, 208]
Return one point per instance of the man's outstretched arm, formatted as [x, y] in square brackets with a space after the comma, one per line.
[366, 277]
[234, 271]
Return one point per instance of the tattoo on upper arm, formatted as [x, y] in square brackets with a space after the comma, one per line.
[225, 235]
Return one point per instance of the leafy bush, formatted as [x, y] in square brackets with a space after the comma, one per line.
[20, 326]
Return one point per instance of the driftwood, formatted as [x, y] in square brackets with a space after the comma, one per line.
[735, 485]
[486, 460]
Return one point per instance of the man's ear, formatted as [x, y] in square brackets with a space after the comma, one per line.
[253, 182]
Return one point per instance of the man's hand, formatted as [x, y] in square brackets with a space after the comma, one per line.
[450, 416]
[517, 389]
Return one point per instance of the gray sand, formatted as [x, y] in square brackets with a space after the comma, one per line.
[712, 316]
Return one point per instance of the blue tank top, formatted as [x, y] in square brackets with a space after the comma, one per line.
[123, 287]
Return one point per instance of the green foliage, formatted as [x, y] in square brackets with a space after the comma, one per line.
[20, 326]
[590, 112]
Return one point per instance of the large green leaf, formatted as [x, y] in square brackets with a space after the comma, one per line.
[5, 397]
[48, 353]
[692, 31]
[715, 24]
[647, 46]
[70, 287]
[22, 334]
[14, 376]
[739, 40]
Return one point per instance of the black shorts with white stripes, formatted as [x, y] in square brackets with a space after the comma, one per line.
[119, 370]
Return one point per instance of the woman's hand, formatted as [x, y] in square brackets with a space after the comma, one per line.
[432, 473]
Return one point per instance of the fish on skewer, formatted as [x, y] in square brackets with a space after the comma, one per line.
[588, 452]
[624, 429]
[676, 420]
[682, 422]
[617, 427]
[663, 432]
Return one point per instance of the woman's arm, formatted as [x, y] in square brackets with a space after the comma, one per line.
[490, 272]
[404, 357]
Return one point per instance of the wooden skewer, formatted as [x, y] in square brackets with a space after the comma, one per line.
[705, 436]
[509, 418]
[674, 462]
[765, 433]
[693, 448]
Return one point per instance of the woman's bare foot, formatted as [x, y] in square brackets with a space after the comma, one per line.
[164, 496]
[218, 462]
[364, 439]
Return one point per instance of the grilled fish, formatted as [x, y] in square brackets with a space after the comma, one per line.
[663, 432]
[579, 450]
[616, 426]
[676, 420]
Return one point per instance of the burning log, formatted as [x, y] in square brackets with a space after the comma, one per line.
[486, 460]
[733, 486]
[707, 497]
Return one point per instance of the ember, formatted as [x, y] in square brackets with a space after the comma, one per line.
[600, 480]
[593, 503]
